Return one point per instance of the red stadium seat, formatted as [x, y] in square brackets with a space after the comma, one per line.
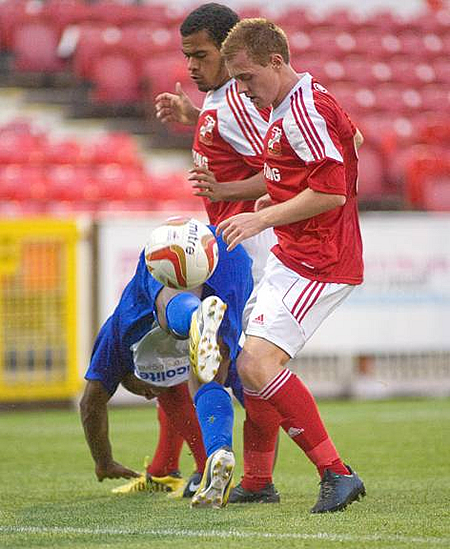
[442, 69]
[117, 148]
[67, 183]
[22, 182]
[22, 147]
[66, 12]
[35, 45]
[160, 74]
[436, 98]
[115, 76]
[91, 37]
[424, 163]
[12, 11]
[67, 151]
[436, 192]
[371, 179]
[147, 39]
[118, 182]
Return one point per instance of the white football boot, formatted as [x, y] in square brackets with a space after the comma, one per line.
[216, 481]
[204, 354]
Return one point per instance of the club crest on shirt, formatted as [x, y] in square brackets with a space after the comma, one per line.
[319, 87]
[274, 144]
[205, 133]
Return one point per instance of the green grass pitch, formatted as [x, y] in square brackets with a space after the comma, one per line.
[50, 497]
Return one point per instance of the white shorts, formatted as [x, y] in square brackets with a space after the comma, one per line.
[258, 248]
[286, 309]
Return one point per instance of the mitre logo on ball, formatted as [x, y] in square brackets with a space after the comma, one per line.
[182, 253]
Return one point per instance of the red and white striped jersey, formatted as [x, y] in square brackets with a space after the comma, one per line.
[229, 141]
[310, 143]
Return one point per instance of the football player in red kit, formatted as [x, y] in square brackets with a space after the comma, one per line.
[229, 129]
[311, 169]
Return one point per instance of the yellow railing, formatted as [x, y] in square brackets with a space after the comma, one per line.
[38, 347]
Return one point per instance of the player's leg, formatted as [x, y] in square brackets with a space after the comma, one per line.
[176, 415]
[280, 323]
[164, 468]
[216, 417]
[209, 369]
[162, 473]
[261, 428]
[178, 406]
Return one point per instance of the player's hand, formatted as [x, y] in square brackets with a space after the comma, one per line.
[263, 202]
[205, 183]
[113, 470]
[139, 387]
[240, 227]
[176, 107]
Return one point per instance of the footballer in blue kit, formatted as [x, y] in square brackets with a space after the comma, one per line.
[145, 345]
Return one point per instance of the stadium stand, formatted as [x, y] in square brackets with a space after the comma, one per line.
[391, 73]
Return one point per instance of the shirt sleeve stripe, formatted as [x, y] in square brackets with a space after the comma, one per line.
[303, 129]
[242, 124]
[248, 116]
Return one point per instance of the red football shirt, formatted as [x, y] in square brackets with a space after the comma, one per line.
[310, 143]
[229, 141]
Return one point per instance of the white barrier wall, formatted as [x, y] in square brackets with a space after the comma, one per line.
[400, 316]
[403, 305]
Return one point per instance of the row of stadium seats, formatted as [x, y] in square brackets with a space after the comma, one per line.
[410, 168]
[392, 75]
[20, 143]
[89, 184]
[40, 174]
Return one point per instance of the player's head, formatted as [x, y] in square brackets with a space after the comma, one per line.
[203, 32]
[256, 53]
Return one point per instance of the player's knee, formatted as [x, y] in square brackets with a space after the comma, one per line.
[179, 311]
[256, 366]
[247, 367]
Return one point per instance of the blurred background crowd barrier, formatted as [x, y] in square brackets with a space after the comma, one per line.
[80, 148]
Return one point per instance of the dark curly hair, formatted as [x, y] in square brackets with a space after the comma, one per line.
[216, 19]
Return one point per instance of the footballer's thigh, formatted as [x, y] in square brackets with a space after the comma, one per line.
[289, 309]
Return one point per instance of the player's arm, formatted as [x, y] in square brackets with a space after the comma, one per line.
[94, 417]
[140, 388]
[323, 193]
[176, 107]
[246, 189]
[308, 203]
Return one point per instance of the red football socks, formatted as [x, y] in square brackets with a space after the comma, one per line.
[260, 435]
[167, 453]
[301, 420]
[179, 409]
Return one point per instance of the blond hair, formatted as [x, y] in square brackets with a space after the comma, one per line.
[259, 38]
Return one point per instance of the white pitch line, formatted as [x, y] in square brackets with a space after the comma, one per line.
[339, 538]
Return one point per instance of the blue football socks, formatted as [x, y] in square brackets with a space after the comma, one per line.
[179, 312]
[216, 416]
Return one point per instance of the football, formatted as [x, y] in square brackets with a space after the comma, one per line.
[182, 253]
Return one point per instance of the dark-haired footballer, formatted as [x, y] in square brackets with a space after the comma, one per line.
[147, 345]
[227, 156]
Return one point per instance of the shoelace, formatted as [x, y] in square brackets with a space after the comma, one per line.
[327, 486]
